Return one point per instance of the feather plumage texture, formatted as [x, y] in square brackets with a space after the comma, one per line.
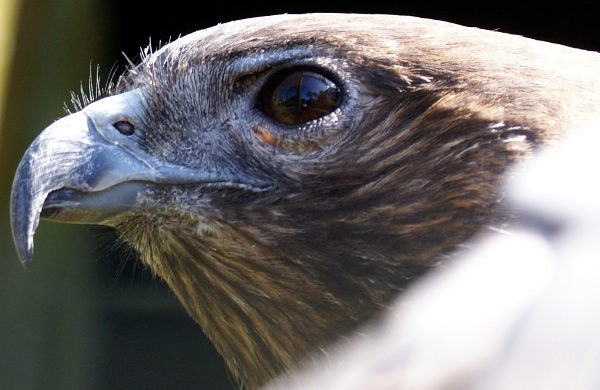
[306, 232]
[517, 310]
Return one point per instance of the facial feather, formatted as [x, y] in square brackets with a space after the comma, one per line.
[317, 226]
[362, 201]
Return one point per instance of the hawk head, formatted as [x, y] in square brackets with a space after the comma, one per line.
[288, 176]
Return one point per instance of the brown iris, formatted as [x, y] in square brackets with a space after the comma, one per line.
[298, 96]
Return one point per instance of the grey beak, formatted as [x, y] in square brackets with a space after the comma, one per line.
[73, 154]
[81, 169]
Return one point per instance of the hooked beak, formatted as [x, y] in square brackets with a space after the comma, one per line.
[81, 169]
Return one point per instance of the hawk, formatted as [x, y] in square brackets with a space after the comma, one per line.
[288, 176]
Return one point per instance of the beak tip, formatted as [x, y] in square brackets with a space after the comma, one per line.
[25, 253]
[26, 263]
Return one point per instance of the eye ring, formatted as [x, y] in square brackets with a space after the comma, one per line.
[299, 95]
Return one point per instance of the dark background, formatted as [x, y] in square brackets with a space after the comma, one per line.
[570, 23]
[88, 315]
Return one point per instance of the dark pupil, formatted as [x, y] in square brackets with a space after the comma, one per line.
[300, 97]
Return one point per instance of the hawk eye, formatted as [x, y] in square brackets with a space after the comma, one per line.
[296, 96]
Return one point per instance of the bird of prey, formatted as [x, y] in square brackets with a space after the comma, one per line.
[288, 176]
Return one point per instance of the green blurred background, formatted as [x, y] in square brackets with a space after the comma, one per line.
[87, 315]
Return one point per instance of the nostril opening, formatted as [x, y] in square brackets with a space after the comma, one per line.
[124, 127]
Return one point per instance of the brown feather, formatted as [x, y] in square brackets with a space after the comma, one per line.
[356, 204]
[410, 173]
